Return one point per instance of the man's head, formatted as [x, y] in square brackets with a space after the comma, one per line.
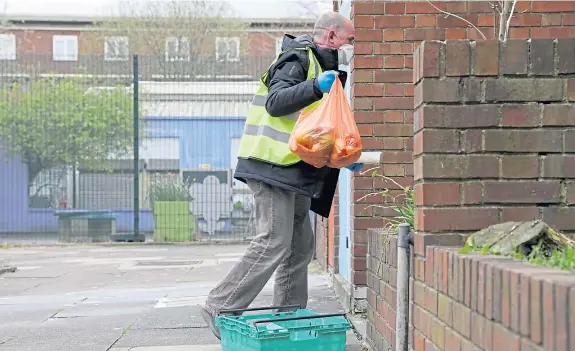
[332, 30]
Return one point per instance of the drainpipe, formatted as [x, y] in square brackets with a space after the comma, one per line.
[404, 241]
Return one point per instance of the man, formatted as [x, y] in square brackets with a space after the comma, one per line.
[285, 188]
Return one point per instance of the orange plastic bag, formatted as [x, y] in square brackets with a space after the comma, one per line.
[327, 135]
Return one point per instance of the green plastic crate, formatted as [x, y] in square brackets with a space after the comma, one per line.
[301, 330]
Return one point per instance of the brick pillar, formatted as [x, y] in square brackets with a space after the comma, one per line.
[494, 134]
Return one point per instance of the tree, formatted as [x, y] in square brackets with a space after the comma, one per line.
[55, 122]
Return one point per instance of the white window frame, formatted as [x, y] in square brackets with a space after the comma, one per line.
[279, 42]
[111, 55]
[228, 40]
[178, 41]
[8, 52]
[67, 55]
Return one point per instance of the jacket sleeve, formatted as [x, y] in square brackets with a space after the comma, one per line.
[289, 91]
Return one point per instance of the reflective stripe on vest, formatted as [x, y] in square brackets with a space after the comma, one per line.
[265, 137]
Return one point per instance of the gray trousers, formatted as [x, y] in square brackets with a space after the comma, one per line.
[284, 241]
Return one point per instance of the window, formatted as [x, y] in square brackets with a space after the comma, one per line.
[177, 49]
[228, 49]
[117, 49]
[279, 42]
[65, 48]
[7, 47]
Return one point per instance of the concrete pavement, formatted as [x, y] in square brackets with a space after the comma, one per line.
[120, 298]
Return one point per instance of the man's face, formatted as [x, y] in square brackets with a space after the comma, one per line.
[336, 39]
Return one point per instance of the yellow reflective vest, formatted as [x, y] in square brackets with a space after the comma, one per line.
[265, 138]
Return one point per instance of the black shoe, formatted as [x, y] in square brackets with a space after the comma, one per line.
[211, 321]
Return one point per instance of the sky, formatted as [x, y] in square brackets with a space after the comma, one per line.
[253, 9]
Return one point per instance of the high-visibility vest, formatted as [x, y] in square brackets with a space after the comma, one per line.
[265, 138]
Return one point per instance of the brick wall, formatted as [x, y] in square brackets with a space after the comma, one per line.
[469, 302]
[494, 133]
[382, 83]
[493, 142]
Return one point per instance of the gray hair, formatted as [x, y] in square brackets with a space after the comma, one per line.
[328, 20]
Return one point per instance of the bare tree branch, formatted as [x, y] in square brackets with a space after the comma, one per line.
[458, 17]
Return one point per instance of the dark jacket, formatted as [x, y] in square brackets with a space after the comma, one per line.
[289, 92]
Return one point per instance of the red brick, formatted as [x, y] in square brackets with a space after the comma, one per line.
[361, 103]
[561, 317]
[368, 62]
[527, 345]
[362, 76]
[436, 140]
[486, 58]
[560, 218]
[393, 103]
[526, 20]
[552, 32]
[522, 192]
[367, 90]
[485, 34]
[365, 129]
[452, 340]
[570, 189]
[519, 33]
[394, 143]
[454, 22]
[536, 310]
[413, 34]
[548, 317]
[432, 166]
[551, 19]
[559, 166]
[481, 331]
[394, 22]
[568, 19]
[559, 115]
[393, 34]
[395, 8]
[393, 116]
[368, 35]
[394, 170]
[425, 21]
[485, 20]
[571, 89]
[393, 62]
[460, 117]
[393, 48]
[479, 7]
[424, 7]
[462, 320]
[447, 219]
[397, 156]
[523, 140]
[436, 194]
[363, 21]
[572, 319]
[394, 90]
[368, 116]
[503, 339]
[518, 214]
[394, 76]
[520, 115]
[553, 6]
[472, 192]
[519, 166]
[455, 34]
[457, 58]
[367, 8]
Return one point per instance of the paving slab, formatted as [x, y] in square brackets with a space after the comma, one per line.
[171, 318]
[167, 337]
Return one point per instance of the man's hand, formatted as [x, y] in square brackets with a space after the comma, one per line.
[325, 80]
[356, 167]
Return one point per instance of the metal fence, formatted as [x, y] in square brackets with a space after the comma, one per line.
[69, 171]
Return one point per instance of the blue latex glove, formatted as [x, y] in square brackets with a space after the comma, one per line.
[356, 167]
[326, 79]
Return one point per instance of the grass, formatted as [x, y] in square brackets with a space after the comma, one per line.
[402, 204]
[562, 258]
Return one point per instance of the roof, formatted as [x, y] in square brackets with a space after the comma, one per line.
[87, 10]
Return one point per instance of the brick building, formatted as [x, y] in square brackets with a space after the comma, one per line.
[382, 98]
[72, 36]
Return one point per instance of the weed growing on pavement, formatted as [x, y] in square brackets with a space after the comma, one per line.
[403, 204]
